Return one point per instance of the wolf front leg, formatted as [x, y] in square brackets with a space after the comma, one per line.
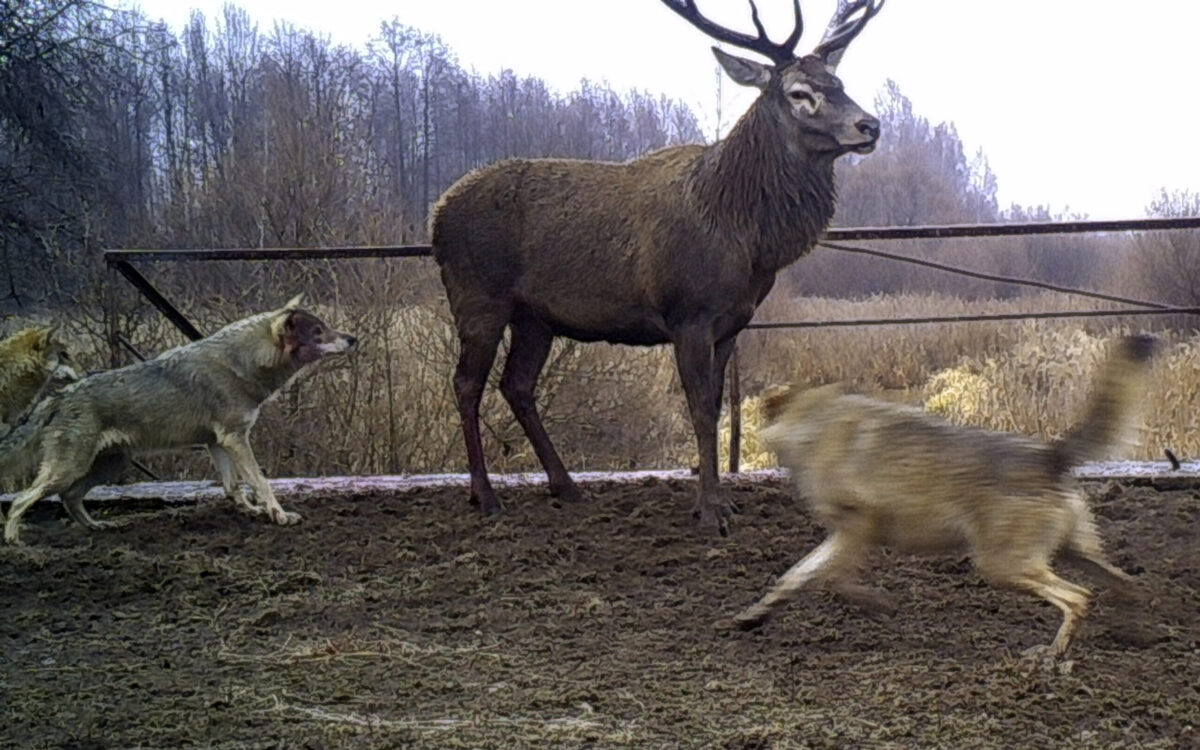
[229, 481]
[822, 564]
[237, 445]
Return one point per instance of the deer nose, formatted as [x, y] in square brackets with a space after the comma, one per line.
[351, 340]
[868, 126]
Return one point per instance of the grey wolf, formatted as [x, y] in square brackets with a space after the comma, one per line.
[675, 247]
[208, 392]
[32, 360]
[876, 473]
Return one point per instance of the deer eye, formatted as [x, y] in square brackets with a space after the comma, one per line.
[802, 95]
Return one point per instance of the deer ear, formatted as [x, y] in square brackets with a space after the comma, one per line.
[294, 302]
[743, 71]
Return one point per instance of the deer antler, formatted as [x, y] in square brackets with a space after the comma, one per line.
[779, 54]
[843, 28]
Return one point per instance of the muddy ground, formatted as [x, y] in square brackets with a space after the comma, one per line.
[407, 620]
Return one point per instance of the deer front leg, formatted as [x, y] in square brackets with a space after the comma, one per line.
[696, 359]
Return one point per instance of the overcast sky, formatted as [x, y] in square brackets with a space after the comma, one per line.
[1086, 105]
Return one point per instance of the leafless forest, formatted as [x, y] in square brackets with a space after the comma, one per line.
[401, 619]
[114, 132]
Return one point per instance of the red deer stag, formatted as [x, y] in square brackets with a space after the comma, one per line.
[678, 246]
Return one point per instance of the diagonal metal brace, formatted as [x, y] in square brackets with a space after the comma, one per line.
[162, 303]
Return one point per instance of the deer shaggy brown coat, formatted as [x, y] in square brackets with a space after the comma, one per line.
[676, 247]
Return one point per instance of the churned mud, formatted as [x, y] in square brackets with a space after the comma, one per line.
[408, 620]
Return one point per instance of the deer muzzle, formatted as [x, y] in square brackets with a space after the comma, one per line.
[868, 127]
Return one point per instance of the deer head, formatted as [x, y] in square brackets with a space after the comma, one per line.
[801, 93]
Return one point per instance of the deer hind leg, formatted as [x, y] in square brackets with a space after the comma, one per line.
[479, 333]
[527, 353]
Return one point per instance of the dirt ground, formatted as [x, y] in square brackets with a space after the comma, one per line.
[408, 620]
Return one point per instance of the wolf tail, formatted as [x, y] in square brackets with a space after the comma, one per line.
[20, 449]
[1113, 406]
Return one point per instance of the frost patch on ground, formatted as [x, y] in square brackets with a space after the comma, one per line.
[306, 487]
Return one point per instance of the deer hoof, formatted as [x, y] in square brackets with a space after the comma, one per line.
[569, 493]
[714, 514]
[486, 502]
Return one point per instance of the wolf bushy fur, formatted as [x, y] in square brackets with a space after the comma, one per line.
[30, 360]
[208, 392]
[876, 473]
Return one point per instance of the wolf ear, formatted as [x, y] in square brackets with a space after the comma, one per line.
[279, 323]
[775, 400]
[41, 337]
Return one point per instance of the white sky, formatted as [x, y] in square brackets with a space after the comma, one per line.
[1086, 105]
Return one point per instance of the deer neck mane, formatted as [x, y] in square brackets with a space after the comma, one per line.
[777, 198]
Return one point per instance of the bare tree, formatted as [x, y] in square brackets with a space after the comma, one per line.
[678, 246]
[1169, 262]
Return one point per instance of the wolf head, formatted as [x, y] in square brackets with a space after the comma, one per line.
[304, 337]
[795, 401]
[43, 345]
[793, 417]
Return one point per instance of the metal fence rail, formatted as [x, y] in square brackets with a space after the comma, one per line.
[122, 259]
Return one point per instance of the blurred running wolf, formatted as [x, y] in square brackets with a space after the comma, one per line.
[207, 392]
[881, 474]
[32, 360]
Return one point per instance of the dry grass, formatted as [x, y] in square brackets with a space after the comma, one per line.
[389, 408]
[1026, 376]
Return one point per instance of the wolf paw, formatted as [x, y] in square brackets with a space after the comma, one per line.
[248, 508]
[1047, 659]
[284, 517]
[752, 618]
[872, 602]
